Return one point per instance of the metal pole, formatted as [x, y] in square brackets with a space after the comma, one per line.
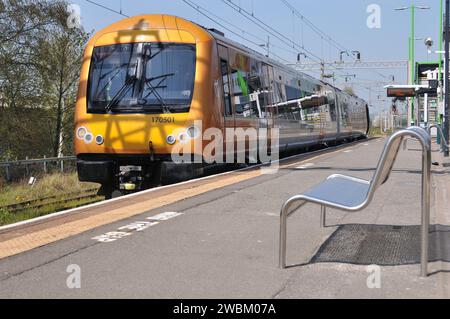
[446, 77]
[8, 175]
[412, 58]
[441, 40]
[284, 214]
[426, 182]
[283, 235]
[27, 170]
[323, 216]
[45, 164]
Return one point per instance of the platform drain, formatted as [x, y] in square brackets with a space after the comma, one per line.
[383, 245]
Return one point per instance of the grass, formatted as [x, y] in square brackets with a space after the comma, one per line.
[47, 185]
[10, 218]
[376, 132]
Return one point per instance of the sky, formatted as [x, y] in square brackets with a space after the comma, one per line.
[345, 21]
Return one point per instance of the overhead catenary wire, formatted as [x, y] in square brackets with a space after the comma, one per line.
[216, 17]
[108, 8]
[321, 33]
[213, 17]
[203, 12]
[244, 32]
[267, 28]
[313, 27]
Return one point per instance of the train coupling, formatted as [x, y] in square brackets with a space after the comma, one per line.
[130, 178]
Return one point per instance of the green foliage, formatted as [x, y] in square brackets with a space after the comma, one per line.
[40, 61]
[47, 185]
[5, 216]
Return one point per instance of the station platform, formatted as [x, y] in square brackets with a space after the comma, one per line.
[218, 238]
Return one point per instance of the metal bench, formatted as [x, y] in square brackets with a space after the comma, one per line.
[353, 194]
[444, 143]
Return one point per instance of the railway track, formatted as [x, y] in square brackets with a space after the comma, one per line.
[61, 201]
[57, 200]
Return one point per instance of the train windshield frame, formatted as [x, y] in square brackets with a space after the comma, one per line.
[149, 78]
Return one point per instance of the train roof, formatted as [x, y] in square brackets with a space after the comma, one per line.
[220, 36]
[163, 20]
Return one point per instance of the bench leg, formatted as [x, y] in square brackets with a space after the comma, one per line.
[323, 216]
[283, 235]
[285, 212]
[425, 228]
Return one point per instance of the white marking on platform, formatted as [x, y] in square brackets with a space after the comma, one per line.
[165, 216]
[111, 236]
[348, 151]
[135, 227]
[138, 226]
[307, 165]
[149, 191]
[366, 144]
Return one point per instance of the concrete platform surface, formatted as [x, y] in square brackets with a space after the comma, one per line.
[224, 243]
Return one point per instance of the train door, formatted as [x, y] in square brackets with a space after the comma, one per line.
[267, 109]
[344, 116]
[245, 82]
[226, 88]
[332, 118]
[228, 112]
[338, 114]
[323, 123]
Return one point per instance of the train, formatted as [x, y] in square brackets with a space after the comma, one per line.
[147, 80]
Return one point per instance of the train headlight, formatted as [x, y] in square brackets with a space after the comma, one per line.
[183, 138]
[99, 140]
[81, 132]
[171, 139]
[88, 138]
[193, 132]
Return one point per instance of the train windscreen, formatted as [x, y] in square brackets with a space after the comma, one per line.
[142, 78]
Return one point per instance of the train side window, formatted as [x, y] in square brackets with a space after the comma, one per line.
[281, 92]
[293, 93]
[257, 91]
[226, 88]
[245, 108]
[344, 111]
[332, 104]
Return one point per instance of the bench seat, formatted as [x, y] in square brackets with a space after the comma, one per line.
[338, 191]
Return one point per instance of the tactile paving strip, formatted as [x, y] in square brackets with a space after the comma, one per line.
[383, 245]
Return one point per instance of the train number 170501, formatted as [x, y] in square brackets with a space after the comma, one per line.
[163, 120]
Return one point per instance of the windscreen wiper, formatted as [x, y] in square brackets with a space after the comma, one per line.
[120, 94]
[153, 89]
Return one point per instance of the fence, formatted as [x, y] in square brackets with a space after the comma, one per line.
[27, 163]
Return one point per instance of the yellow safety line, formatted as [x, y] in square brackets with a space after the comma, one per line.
[43, 237]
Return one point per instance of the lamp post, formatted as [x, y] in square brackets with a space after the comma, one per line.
[340, 56]
[446, 76]
[412, 66]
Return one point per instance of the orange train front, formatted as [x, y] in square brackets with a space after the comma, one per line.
[145, 81]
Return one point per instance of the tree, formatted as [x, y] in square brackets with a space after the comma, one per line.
[40, 60]
[63, 51]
